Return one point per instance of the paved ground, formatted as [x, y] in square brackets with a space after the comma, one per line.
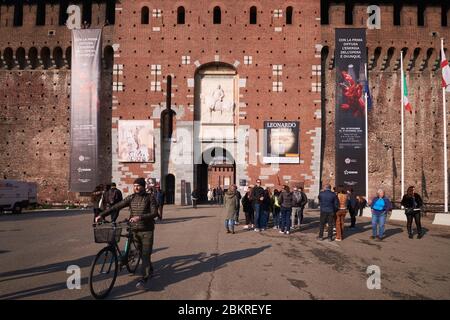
[195, 259]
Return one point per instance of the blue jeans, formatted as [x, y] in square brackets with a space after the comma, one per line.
[286, 219]
[276, 216]
[264, 219]
[378, 218]
[229, 224]
[258, 216]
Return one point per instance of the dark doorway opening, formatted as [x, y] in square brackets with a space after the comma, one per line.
[170, 189]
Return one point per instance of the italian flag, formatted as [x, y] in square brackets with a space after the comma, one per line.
[445, 72]
[406, 103]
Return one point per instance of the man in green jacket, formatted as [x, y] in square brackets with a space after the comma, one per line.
[143, 211]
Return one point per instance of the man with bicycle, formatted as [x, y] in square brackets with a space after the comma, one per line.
[143, 211]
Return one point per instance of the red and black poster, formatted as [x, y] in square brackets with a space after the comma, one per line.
[350, 57]
[85, 105]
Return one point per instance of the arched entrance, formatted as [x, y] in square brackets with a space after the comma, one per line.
[218, 169]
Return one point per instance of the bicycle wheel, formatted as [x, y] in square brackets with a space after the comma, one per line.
[134, 256]
[103, 272]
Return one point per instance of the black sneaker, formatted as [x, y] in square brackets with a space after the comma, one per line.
[420, 235]
[372, 237]
[410, 236]
[228, 231]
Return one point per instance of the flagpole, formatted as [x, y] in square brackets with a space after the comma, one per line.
[367, 134]
[402, 130]
[444, 111]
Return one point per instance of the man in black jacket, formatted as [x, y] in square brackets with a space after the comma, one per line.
[114, 197]
[143, 211]
[257, 198]
[329, 204]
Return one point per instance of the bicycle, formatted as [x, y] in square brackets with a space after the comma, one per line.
[110, 260]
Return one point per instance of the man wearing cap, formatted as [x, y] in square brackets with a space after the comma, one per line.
[143, 211]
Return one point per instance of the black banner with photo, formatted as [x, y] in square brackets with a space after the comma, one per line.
[282, 142]
[350, 60]
[85, 105]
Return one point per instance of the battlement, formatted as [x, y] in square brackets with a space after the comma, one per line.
[429, 14]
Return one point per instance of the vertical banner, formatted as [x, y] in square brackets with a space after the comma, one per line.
[350, 57]
[85, 105]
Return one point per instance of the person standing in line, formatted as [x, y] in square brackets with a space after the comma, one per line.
[352, 207]
[194, 197]
[329, 204]
[380, 206]
[286, 203]
[160, 199]
[302, 205]
[210, 196]
[412, 202]
[95, 198]
[231, 202]
[114, 197]
[341, 213]
[362, 203]
[238, 208]
[265, 209]
[276, 209]
[220, 195]
[247, 206]
[257, 198]
[296, 205]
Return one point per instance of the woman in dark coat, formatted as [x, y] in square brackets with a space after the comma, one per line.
[412, 202]
[248, 210]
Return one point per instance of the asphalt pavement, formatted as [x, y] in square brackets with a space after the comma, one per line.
[194, 258]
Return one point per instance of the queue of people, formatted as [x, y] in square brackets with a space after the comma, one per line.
[286, 207]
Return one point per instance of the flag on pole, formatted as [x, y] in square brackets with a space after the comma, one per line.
[406, 103]
[445, 72]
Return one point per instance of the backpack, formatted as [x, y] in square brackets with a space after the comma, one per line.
[297, 198]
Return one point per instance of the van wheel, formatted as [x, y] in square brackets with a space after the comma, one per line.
[17, 209]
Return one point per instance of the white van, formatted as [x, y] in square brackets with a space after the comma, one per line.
[15, 195]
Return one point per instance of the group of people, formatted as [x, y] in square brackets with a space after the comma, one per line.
[216, 195]
[334, 206]
[259, 203]
[286, 207]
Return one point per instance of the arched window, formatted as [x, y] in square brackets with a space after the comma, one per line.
[20, 56]
[289, 14]
[181, 15]
[58, 57]
[40, 13]
[217, 15]
[145, 15]
[108, 56]
[45, 57]
[8, 57]
[33, 57]
[18, 13]
[253, 15]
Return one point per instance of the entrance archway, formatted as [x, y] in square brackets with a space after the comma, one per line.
[218, 169]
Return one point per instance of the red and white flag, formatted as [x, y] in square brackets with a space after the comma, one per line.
[445, 72]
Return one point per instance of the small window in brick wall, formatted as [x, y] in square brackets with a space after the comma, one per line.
[145, 15]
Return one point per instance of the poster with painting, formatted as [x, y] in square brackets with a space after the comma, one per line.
[136, 141]
[282, 142]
